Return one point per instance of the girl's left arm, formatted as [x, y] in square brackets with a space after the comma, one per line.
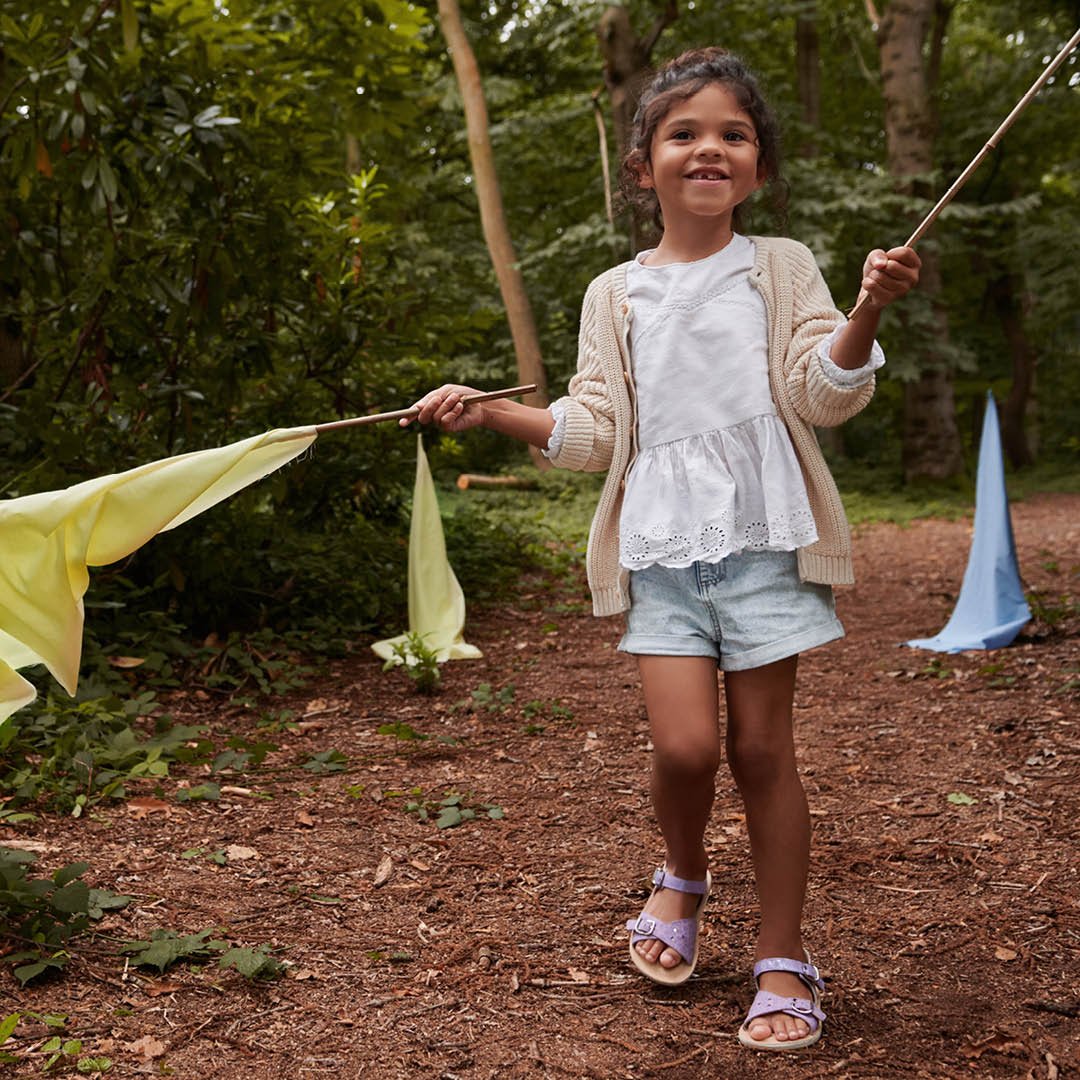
[887, 276]
[815, 395]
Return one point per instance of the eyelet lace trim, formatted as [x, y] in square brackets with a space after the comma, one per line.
[711, 541]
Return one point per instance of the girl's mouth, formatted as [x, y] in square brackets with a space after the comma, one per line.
[706, 174]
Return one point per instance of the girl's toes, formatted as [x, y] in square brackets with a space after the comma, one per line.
[793, 1029]
[760, 1029]
[669, 958]
[649, 950]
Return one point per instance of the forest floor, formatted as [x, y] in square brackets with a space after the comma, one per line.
[944, 900]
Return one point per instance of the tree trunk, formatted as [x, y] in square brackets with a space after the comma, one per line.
[931, 439]
[492, 217]
[1005, 293]
[626, 68]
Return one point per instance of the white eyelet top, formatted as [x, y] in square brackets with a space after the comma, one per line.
[716, 472]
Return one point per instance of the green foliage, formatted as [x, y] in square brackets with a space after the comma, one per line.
[166, 947]
[208, 792]
[327, 761]
[40, 916]
[491, 700]
[452, 810]
[551, 710]
[190, 260]
[71, 755]
[1052, 609]
[418, 661]
[8, 1024]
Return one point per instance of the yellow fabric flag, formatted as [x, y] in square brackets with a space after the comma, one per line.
[436, 602]
[48, 540]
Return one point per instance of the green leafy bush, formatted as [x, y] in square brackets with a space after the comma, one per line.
[40, 916]
[72, 754]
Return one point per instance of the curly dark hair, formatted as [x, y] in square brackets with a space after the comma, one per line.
[678, 80]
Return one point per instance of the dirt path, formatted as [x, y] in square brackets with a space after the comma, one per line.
[944, 905]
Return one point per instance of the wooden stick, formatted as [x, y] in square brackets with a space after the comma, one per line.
[991, 144]
[478, 480]
[401, 414]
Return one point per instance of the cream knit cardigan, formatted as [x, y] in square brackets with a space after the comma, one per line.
[601, 424]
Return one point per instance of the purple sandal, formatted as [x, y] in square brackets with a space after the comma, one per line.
[680, 935]
[805, 1009]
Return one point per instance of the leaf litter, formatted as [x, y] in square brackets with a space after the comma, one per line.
[948, 930]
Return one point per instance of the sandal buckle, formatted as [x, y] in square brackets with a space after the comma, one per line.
[644, 925]
[800, 1005]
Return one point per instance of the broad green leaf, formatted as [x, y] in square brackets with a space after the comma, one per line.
[249, 962]
[108, 179]
[958, 798]
[69, 873]
[72, 899]
[8, 1025]
[94, 1064]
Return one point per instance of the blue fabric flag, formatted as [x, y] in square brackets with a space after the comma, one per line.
[991, 608]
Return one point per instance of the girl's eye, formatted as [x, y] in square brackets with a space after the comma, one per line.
[683, 135]
[734, 137]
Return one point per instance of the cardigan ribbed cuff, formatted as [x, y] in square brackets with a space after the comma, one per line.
[825, 569]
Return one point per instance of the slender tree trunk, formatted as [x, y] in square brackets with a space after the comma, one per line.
[1005, 293]
[492, 216]
[626, 68]
[931, 439]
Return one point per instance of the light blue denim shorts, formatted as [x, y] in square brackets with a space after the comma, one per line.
[746, 611]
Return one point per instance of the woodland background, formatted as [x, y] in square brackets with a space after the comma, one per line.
[224, 217]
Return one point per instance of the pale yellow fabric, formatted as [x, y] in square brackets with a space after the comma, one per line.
[48, 540]
[436, 602]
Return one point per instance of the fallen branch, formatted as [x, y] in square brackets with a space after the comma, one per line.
[703, 1049]
[468, 480]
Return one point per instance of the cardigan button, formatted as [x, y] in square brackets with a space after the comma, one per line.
[626, 309]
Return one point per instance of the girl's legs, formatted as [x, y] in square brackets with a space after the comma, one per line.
[682, 700]
[761, 755]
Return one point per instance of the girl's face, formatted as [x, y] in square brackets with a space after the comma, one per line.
[703, 160]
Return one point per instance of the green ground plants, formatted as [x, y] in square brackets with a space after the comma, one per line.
[418, 661]
[40, 916]
[166, 947]
[452, 810]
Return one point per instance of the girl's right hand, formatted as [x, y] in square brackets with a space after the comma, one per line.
[446, 408]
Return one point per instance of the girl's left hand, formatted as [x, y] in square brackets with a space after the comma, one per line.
[889, 275]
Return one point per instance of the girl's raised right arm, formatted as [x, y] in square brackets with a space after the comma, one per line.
[446, 408]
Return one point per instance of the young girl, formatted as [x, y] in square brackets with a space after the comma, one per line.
[703, 366]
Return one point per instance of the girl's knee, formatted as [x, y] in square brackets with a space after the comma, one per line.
[758, 761]
[684, 760]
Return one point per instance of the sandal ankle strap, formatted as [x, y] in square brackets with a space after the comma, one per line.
[664, 879]
[807, 972]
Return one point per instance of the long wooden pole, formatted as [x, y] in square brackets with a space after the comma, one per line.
[991, 144]
[401, 414]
